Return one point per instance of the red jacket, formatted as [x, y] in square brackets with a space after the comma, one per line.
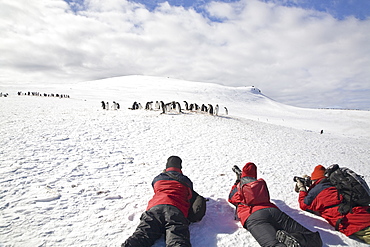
[322, 199]
[171, 192]
[244, 211]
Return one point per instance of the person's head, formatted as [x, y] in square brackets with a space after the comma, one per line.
[174, 161]
[318, 172]
[249, 170]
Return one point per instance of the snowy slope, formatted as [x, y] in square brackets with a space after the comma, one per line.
[72, 174]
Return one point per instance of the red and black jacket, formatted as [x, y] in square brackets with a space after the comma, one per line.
[243, 210]
[323, 199]
[168, 190]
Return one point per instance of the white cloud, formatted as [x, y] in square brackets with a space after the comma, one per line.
[287, 52]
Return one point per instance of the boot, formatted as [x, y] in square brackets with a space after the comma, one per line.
[306, 239]
[287, 239]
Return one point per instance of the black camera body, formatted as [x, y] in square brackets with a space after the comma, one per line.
[237, 170]
[305, 181]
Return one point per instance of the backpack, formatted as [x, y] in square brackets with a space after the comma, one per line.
[197, 208]
[253, 192]
[351, 186]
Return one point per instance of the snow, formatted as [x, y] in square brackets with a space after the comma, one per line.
[73, 174]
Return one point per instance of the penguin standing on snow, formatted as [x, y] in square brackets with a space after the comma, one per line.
[163, 106]
[210, 109]
[134, 106]
[179, 107]
[191, 107]
[186, 105]
[216, 110]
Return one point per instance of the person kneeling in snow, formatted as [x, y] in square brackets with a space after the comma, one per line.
[167, 210]
[323, 199]
[263, 219]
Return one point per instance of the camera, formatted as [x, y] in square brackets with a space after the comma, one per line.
[306, 181]
[237, 170]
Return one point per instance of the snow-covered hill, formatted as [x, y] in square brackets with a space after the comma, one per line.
[72, 174]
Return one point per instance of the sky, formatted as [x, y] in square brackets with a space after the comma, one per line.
[302, 53]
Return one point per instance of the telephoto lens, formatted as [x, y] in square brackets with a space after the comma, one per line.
[237, 170]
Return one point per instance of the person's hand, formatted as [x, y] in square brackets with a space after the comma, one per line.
[299, 186]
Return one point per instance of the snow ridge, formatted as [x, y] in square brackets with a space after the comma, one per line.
[72, 174]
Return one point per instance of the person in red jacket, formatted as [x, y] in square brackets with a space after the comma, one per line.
[167, 211]
[265, 221]
[322, 199]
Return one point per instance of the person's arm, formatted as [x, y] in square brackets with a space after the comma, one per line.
[234, 196]
[301, 199]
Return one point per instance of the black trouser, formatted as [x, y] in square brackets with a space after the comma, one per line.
[161, 219]
[264, 223]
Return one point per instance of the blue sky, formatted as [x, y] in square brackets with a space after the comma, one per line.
[298, 52]
[340, 9]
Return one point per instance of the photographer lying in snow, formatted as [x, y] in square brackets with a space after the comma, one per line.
[263, 219]
[323, 198]
[167, 211]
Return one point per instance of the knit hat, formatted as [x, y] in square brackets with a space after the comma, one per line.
[249, 170]
[318, 172]
[174, 161]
